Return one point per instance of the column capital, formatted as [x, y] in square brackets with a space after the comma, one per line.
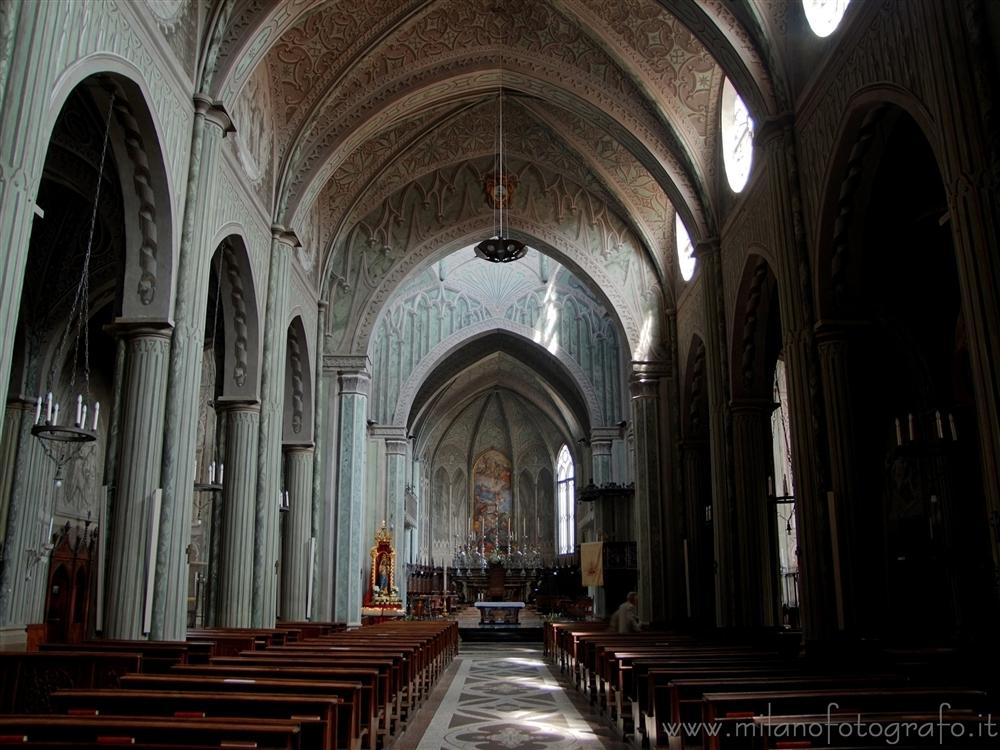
[830, 330]
[296, 449]
[357, 382]
[284, 236]
[214, 112]
[750, 406]
[131, 328]
[770, 130]
[606, 434]
[346, 362]
[237, 404]
[706, 247]
[645, 378]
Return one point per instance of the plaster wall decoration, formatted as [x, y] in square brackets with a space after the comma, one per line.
[296, 357]
[373, 261]
[238, 305]
[678, 70]
[493, 430]
[340, 192]
[109, 29]
[752, 231]
[437, 44]
[890, 50]
[305, 306]
[254, 138]
[690, 317]
[178, 21]
[235, 207]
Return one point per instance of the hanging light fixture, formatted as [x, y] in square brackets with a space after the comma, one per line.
[499, 186]
[61, 440]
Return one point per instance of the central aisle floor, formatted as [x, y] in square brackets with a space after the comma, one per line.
[504, 697]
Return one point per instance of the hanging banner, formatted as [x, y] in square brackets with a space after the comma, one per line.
[592, 563]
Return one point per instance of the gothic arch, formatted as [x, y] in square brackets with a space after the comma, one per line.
[297, 423]
[756, 330]
[137, 139]
[241, 318]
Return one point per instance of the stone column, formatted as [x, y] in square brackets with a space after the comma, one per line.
[272, 388]
[9, 439]
[716, 367]
[29, 509]
[147, 352]
[604, 517]
[239, 487]
[776, 138]
[649, 500]
[298, 531]
[350, 498]
[834, 340]
[753, 525]
[325, 501]
[699, 583]
[322, 444]
[210, 126]
[395, 487]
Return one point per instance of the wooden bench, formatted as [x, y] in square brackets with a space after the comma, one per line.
[318, 715]
[157, 656]
[28, 679]
[350, 694]
[82, 731]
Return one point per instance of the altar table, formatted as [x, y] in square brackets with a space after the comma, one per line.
[492, 613]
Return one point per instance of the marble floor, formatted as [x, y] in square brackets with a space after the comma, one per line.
[505, 697]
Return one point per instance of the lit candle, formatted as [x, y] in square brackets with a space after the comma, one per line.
[83, 417]
[55, 414]
[211, 473]
[97, 410]
[38, 410]
[940, 427]
[48, 408]
[951, 424]
[221, 467]
[79, 410]
[49, 537]
[899, 433]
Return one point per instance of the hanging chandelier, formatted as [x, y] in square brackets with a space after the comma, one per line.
[499, 186]
[60, 440]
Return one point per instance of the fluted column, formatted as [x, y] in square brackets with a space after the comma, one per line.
[29, 509]
[272, 385]
[834, 340]
[147, 353]
[649, 499]
[699, 578]
[320, 603]
[716, 367]
[350, 498]
[395, 489]
[239, 487]
[298, 531]
[210, 126]
[805, 399]
[12, 418]
[753, 525]
[604, 517]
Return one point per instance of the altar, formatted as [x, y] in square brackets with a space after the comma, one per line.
[499, 613]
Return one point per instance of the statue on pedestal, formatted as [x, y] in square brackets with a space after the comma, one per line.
[382, 590]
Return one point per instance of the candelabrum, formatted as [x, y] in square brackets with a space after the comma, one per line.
[474, 554]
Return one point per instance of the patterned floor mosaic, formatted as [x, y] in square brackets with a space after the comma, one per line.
[504, 697]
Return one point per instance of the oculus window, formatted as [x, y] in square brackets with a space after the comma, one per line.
[824, 16]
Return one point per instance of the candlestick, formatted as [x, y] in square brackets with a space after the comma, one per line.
[951, 424]
[83, 417]
[899, 434]
[221, 467]
[79, 409]
[97, 410]
[48, 408]
[937, 423]
[55, 414]
[38, 410]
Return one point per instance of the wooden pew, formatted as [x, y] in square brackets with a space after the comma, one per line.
[351, 695]
[157, 656]
[368, 679]
[317, 715]
[81, 731]
[28, 679]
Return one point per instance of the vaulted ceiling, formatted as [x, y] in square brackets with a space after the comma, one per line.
[341, 103]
